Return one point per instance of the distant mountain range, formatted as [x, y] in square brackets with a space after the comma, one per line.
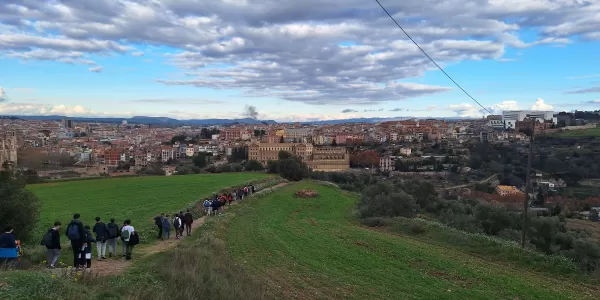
[205, 122]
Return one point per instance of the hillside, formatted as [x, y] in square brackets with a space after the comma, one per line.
[310, 249]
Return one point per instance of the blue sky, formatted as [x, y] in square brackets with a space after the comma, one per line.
[173, 60]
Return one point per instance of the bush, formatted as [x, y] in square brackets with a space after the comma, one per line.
[18, 206]
[376, 222]
[382, 200]
[292, 169]
[418, 228]
[253, 165]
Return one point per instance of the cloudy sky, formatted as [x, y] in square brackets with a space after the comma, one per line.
[296, 60]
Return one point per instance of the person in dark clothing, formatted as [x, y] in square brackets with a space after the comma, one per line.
[101, 232]
[215, 206]
[177, 225]
[182, 228]
[85, 260]
[76, 233]
[7, 239]
[113, 234]
[188, 219]
[158, 222]
[252, 188]
[53, 250]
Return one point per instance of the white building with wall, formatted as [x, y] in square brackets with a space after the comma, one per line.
[510, 117]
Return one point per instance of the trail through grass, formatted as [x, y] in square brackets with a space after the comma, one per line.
[311, 249]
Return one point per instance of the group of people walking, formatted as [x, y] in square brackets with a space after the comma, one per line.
[180, 223]
[213, 205]
[83, 236]
[107, 235]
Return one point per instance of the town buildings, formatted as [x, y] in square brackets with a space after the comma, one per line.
[511, 117]
[317, 158]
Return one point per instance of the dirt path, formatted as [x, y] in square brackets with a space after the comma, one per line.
[117, 265]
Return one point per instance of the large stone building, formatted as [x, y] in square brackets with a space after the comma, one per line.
[8, 148]
[317, 158]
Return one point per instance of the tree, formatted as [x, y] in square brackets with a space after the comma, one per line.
[284, 155]
[272, 166]
[20, 207]
[334, 143]
[281, 139]
[253, 165]
[199, 160]
[293, 169]
[178, 139]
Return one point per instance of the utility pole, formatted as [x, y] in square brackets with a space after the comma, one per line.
[527, 185]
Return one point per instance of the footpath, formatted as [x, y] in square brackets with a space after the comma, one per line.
[116, 266]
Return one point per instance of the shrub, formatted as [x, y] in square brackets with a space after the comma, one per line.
[382, 200]
[18, 207]
[418, 228]
[375, 222]
[253, 165]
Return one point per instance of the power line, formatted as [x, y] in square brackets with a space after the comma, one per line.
[433, 61]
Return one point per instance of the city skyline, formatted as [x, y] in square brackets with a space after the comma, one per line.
[295, 61]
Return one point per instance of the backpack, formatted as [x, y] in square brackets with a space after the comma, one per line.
[125, 235]
[73, 232]
[134, 239]
[113, 230]
[47, 239]
[206, 203]
[177, 222]
[166, 224]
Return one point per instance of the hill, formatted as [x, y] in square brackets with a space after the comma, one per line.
[135, 198]
[311, 248]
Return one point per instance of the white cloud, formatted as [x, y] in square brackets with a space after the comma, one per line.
[504, 105]
[541, 105]
[466, 110]
[96, 69]
[291, 49]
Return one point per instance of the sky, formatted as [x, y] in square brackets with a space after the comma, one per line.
[296, 60]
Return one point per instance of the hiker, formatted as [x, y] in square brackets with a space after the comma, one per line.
[166, 226]
[252, 188]
[207, 206]
[101, 231]
[52, 242]
[245, 191]
[85, 260]
[182, 223]
[76, 234]
[234, 195]
[158, 222]
[8, 246]
[113, 234]
[229, 198]
[130, 238]
[188, 219]
[177, 223]
[123, 240]
[215, 206]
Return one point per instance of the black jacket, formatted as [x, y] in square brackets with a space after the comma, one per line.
[101, 231]
[55, 244]
[7, 240]
[117, 232]
[79, 225]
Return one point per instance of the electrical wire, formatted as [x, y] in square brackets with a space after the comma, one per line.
[433, 61]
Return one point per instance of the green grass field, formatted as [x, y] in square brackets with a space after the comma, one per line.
[579, 133]
[135, 198]
[314, 249]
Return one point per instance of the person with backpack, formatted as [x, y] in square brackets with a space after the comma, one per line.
[207, 206]
[101, 231]
[177, 224]
[85, 258]
[215, 206]
[123, 240]
[113, 234]
[130, 238]
[158, 222]
[182, 228]
[52, 242]
[76, 234]
[9, 247]
[166, 226]
[188, 219]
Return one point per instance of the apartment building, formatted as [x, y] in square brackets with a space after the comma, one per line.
[317, 158]
[508, 190]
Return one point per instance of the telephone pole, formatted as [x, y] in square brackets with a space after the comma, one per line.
[527, 185]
